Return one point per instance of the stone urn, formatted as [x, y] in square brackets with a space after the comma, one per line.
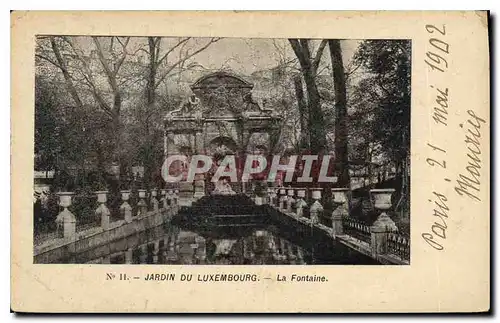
[102, 196]
[102, 210]
[65, 220]
[125, 208]
[382, 198]
[316, 209]
[301, 193]
[65, 199]
[382, 201]
[125, 195]
[291, 200]
[271, 193]
[339, 195]
[142, 206]
[340, 200]
[142, 194]
[301, 203]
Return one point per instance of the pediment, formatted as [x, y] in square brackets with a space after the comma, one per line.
[220, 95]
[218, 79]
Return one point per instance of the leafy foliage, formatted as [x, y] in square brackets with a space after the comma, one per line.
[381, 100]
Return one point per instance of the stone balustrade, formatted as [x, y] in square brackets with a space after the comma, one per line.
[282, 198]
[382, 238]
[290, 200]
[66, 221]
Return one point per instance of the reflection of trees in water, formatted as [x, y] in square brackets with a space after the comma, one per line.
[237, 245]
[261, 247]
[241, 247]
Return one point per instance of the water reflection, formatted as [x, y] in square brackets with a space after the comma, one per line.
[264, 244]
[256, 245]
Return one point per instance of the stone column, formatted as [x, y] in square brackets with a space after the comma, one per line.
[380, 229]
[316, 209]
[169, 149]
[170, 197]
[269, 194]
[264, 192]
[175, 198]
[199, 186]
[65, 221]
[301, 204]
[341, 202]
[154, 201]
[185, 194]
[102, 210]
[142, 206]
[125, 208]
[272, 196]
[199, 141]
[381, 199]
[290, 201]
[282, 198]
[163, 199]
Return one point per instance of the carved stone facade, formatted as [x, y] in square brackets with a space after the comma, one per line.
[220, 117]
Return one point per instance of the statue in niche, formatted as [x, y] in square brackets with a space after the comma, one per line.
[222, 186]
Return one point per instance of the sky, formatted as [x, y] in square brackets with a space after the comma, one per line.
[242, 55]
[250, 55]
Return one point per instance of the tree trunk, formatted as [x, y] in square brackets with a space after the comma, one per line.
[67, 77]
[303, 115]
[339, 84]
[316, 122]
[150, 99]
[309, 66]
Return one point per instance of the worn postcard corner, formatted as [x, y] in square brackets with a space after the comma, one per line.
[250, 162]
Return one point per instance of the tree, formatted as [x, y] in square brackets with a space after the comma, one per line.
[303, 113]
[339, 83]
[78, 69]
[158, 69]
[46, 125]
[309, 68]
[107, 83]
[387, 64]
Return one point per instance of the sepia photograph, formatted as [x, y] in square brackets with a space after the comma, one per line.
[227, 151]
[250, 162]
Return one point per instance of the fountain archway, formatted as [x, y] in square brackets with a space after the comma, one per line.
[220, 114]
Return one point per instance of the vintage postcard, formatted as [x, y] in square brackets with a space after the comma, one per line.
[301, 162]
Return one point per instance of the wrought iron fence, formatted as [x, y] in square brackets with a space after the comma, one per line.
[83, 207]
[356, 229]
[399, 245]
